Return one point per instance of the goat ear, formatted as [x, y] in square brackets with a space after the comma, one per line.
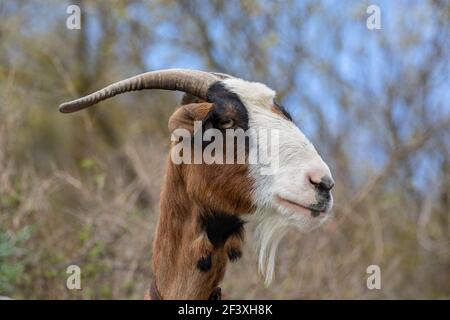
[184, 117]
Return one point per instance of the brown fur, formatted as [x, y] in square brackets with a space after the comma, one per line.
[202, 247]
[190, 191]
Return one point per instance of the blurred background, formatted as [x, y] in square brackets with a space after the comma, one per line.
[84, 188]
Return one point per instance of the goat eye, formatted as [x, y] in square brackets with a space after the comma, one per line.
[226, 124]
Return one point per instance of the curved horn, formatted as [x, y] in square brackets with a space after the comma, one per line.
[193, 82]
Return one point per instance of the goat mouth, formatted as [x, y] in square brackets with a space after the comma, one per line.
[297, 207]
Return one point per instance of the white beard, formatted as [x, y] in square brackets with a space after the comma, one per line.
[270, 229]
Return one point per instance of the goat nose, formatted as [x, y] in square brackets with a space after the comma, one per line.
[324, 184]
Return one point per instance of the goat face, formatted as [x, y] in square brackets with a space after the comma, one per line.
[283, 174]
[290, 187]
[297, 185]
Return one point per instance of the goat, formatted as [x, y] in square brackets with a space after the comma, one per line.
[204, 206]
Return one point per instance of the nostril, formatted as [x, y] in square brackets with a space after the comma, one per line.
[314, 183]
[325, 184]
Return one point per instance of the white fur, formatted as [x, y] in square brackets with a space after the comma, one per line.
[251, 93]
[296, 158]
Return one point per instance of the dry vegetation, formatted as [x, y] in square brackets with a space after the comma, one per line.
[84, 189]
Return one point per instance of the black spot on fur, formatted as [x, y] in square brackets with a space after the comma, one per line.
[226, 105]
[204, 263]
[220, 226]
